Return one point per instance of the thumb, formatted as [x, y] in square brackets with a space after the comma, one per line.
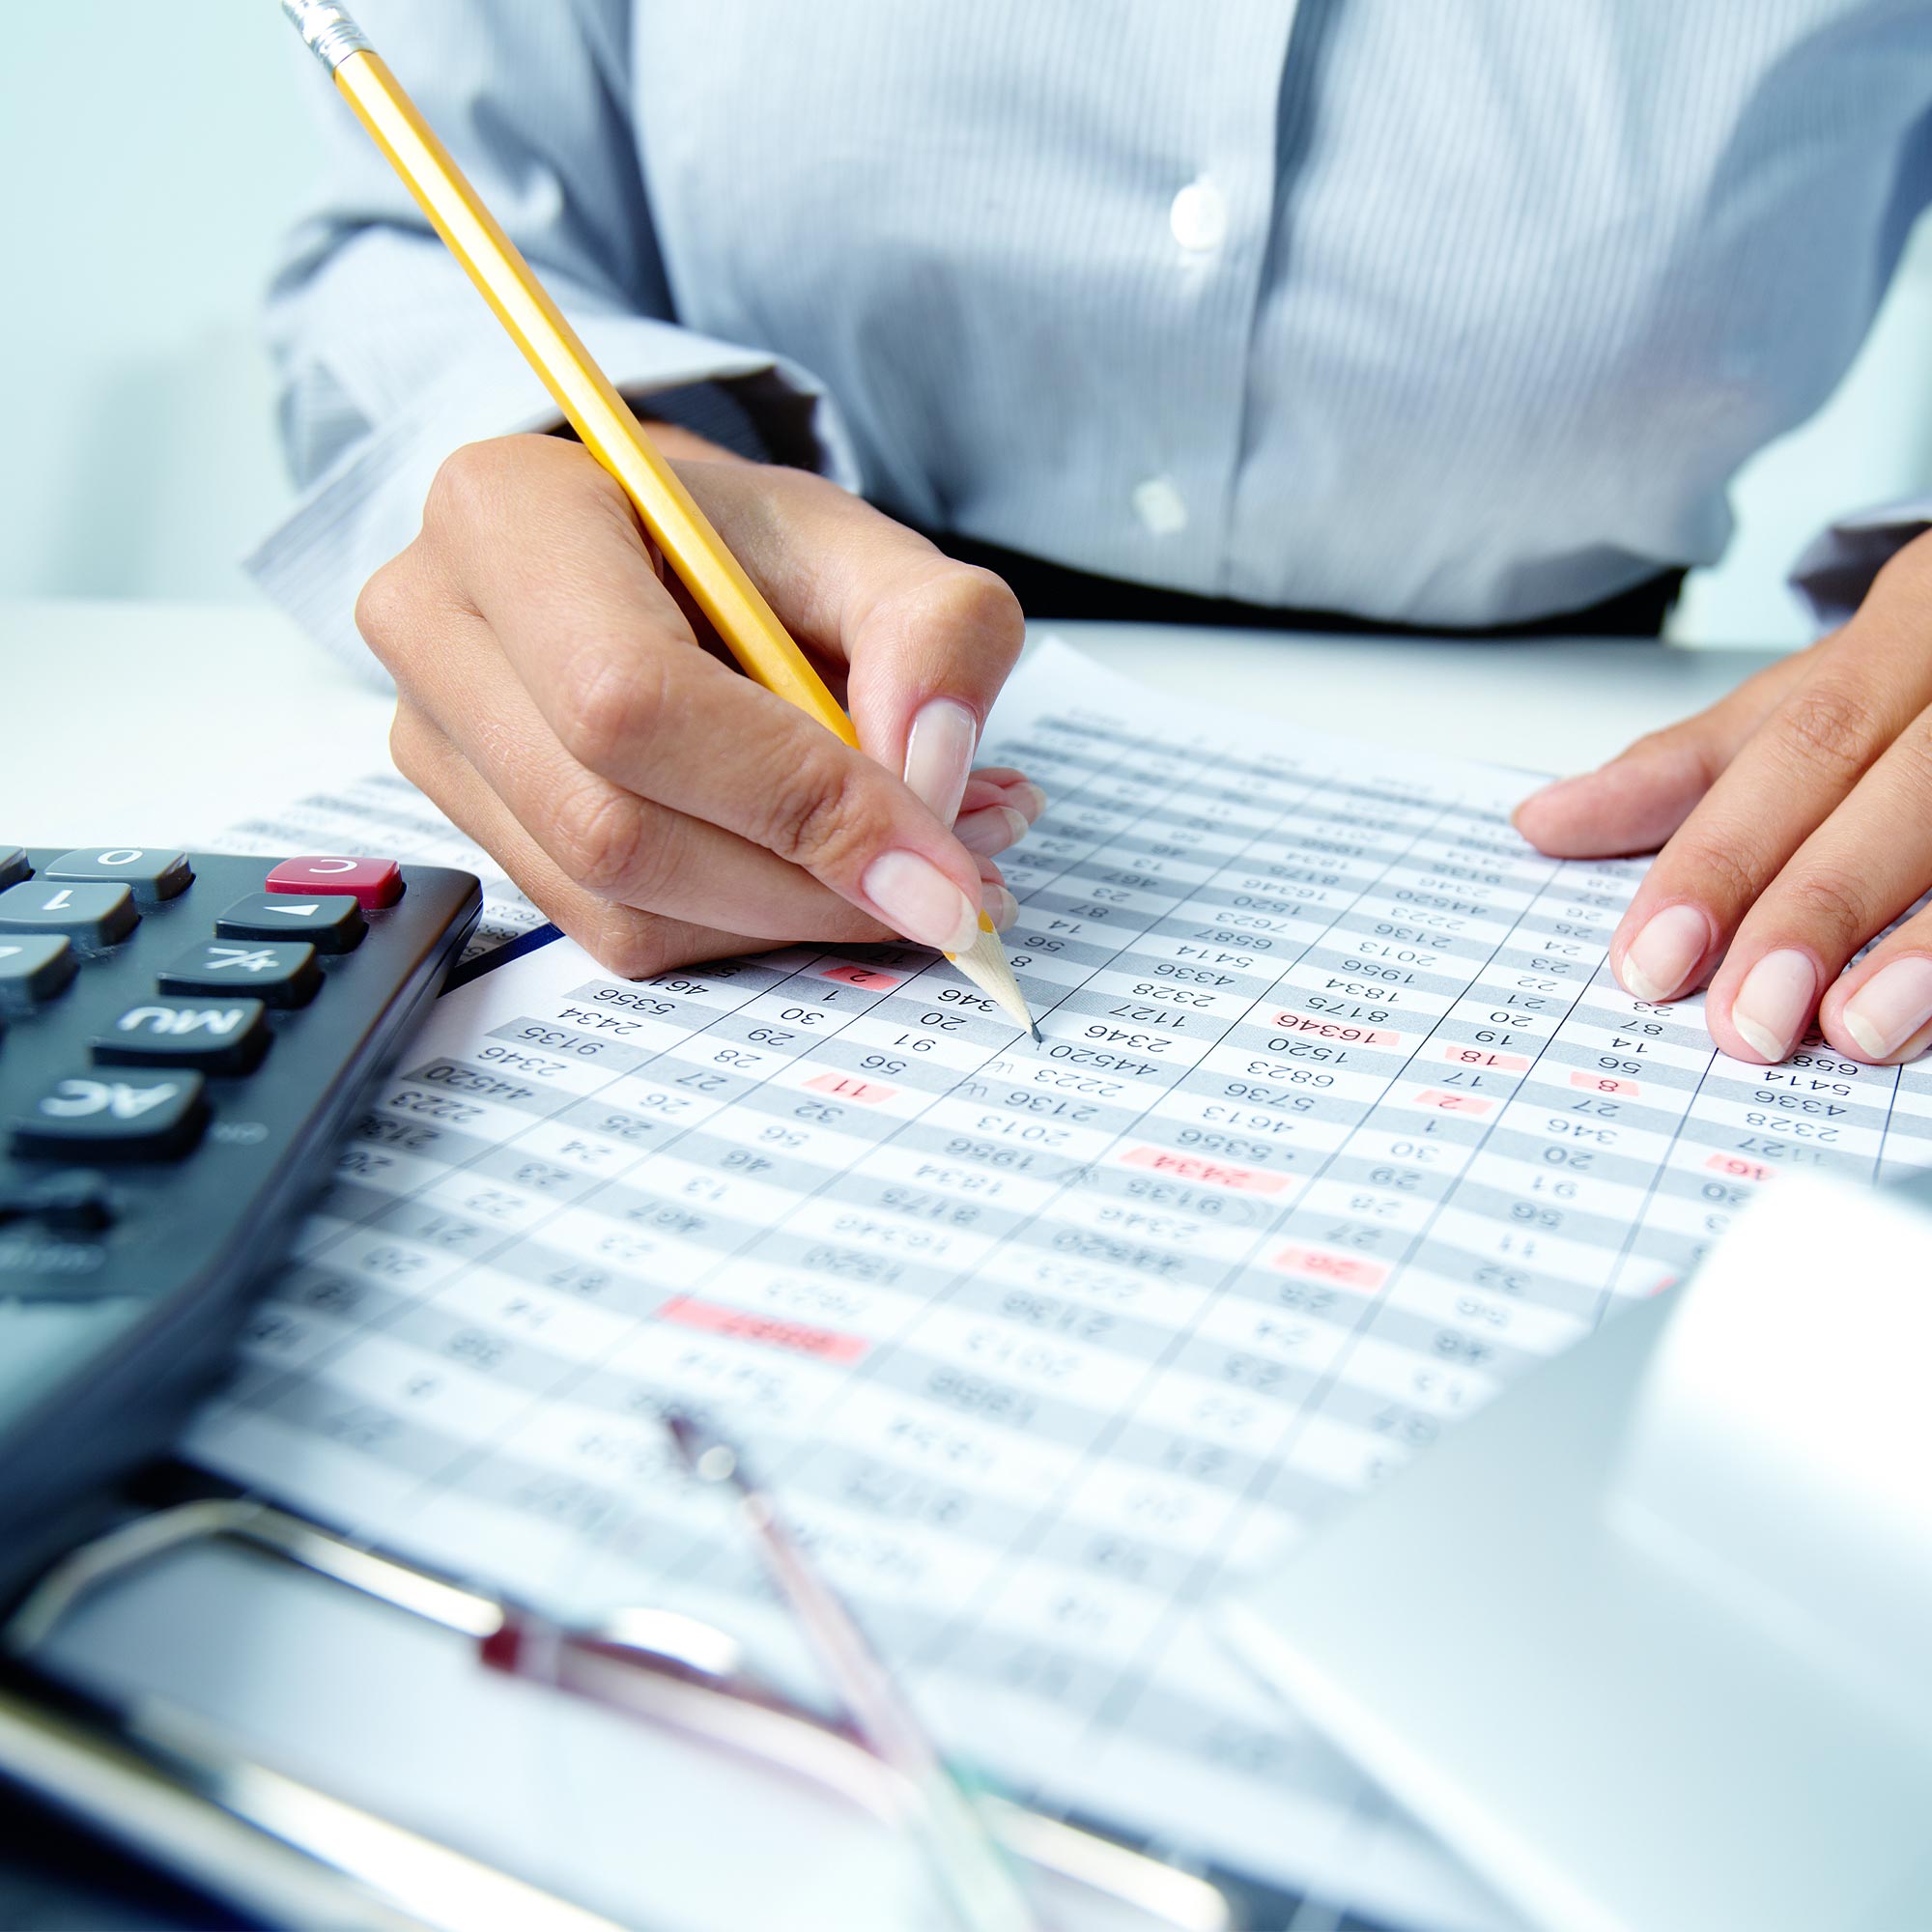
[1641, 797]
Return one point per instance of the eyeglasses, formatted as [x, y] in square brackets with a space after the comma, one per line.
[153, 1776]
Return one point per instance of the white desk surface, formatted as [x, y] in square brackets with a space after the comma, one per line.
[167, 721]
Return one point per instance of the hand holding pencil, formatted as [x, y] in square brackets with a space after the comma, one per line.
[555, 699]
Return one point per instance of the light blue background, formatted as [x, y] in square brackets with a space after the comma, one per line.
[150, 156]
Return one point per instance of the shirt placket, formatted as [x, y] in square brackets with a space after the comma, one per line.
[1209, 246]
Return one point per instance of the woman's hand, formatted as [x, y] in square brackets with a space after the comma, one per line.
[1798, 818]
[552, 698]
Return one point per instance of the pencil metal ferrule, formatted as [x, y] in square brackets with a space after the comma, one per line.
[331, 34]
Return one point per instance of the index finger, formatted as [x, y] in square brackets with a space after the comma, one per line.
[612, 666]
[1784, 782]
[917, 631]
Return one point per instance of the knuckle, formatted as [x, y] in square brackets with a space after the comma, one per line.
[1907, 571]
[1827, 901]
[406, 746]
[821, 816]
[640, 945]
[965, 601]
[1648, 746]
[1679, 754]
[605, 705]
[629, 943]
[1723, 874]
[467, 482]
[383, 606]
[1830, 726]
[598, 836]
[1914, 750]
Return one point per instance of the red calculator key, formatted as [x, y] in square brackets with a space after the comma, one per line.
[371, 882]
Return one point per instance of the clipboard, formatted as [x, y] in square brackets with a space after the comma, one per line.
[260, 1830]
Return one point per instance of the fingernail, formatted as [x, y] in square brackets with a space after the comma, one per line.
[1774, 1003]
[991, 830]
[939, 754]
[915, 897]
[1662, 955]
[1030, 799]
[1001, 908]
[1890, 1007]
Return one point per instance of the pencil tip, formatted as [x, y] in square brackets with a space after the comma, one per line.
[1033, 1028]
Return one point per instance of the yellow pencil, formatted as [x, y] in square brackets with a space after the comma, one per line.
[604, 421]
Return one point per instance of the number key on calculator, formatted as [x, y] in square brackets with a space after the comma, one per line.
[184, 1039]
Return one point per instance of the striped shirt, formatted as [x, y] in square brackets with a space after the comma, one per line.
[1444, 311]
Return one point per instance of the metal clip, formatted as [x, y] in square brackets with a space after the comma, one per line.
[332, 35]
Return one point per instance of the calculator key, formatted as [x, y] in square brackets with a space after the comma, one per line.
[34, 967]
[71, 1199]
[122, 1117]
[374, 882]
[150, 877]
[331, 922]
[95, 915]
[282, 974]
[14, 866]
[210, 1035]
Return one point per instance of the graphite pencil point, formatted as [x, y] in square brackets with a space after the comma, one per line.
[985, 963]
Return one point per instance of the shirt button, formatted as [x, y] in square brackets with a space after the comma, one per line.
[1198, 216]
[1160, 506]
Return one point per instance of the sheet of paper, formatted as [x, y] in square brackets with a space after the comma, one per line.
[1338, 1123]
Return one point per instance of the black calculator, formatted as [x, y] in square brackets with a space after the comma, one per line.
[184, 1039]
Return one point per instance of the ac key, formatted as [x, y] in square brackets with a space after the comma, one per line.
[139, 1117]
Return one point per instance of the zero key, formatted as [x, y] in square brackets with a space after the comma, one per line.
[150, 877]
[373, 881]
[94, 914]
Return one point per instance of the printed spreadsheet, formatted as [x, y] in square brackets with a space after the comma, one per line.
[1339, 1122]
